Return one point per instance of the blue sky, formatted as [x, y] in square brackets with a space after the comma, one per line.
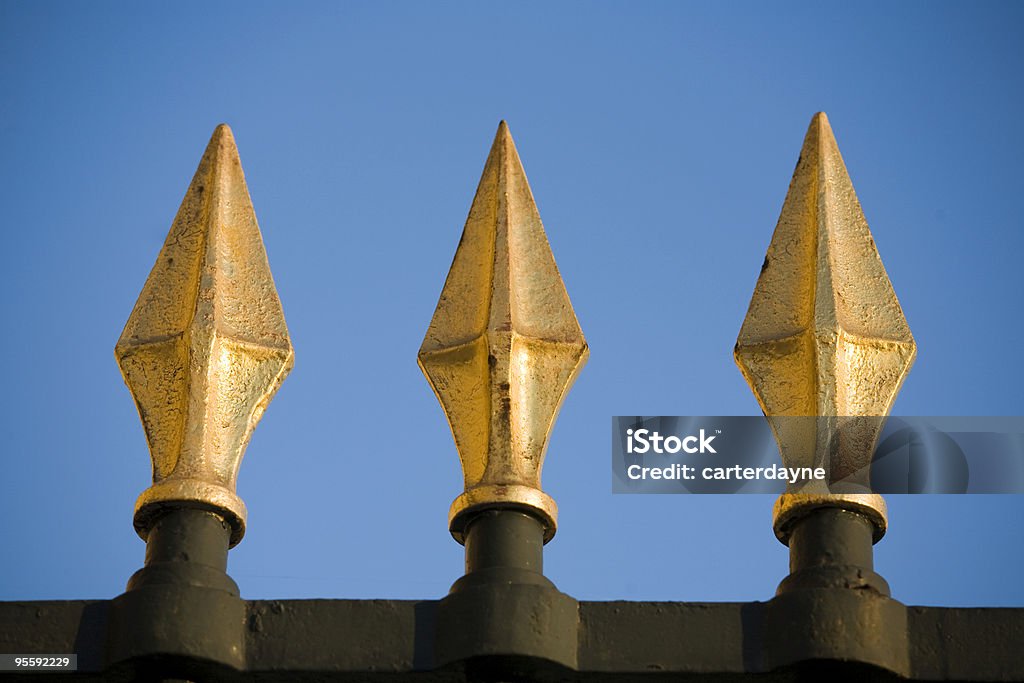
[658, 138]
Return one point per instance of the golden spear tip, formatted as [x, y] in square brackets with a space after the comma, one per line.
[222, 139]
[206, 345]
[824, 336]
[503, 346]
[819, 130]
[504, 144]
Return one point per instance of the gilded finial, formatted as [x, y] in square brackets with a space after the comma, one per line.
[825, 335]
[206, 345]
[503, 347]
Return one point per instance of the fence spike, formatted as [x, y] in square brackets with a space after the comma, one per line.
[824, 334]
[503, 347]
[206, 345]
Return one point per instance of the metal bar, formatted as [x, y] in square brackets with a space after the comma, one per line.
[189, 536]
[505, 538]
[393, 640]
[832, 548]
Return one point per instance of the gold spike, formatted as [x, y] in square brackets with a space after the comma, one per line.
[824, 335]
[206, 345]
[503, 347]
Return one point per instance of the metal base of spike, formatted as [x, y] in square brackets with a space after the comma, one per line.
[831, 548]
[791, 507]
[504, 605]
[182, 607]
[505, 497]
[191, 493]
[833, 606]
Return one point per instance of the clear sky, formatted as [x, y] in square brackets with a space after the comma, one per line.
[658, 138]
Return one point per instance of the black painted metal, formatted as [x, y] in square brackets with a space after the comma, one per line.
[505, 538]
[393, 640]
[181, 618]
[832, 548]
[833, 606]
[181, 615]
[185, 536]
[504, 607]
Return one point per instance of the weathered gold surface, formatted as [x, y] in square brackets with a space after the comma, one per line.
[824, 334]
[206, 346]
[504, 345]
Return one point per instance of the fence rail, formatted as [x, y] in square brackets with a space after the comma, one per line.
[206, 347]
